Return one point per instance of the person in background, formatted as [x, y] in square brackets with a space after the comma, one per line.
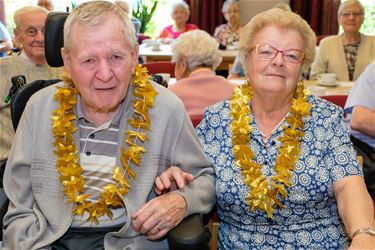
[360, 117]
[180, 14]
[348, 54]
[5, 41]
[127, 8]
[197, 55]
[47, 4]
[287, 176]
[229, 33]
[87, 151]
[31, 62]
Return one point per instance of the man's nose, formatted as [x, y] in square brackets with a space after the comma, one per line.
[104, 72]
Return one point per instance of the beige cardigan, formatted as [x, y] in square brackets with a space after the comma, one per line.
[331, 57]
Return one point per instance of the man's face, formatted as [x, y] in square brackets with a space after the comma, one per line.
[30, 35]
[100, 63]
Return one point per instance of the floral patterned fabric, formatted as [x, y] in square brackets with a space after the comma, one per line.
[224, 35]
[310, 218]
[351, 51]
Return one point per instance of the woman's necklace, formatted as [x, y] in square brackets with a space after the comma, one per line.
[263, 194]
[67, 162]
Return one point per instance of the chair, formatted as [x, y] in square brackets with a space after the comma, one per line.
[339, 100]
[160, 67]
[196, 119]
[142, 37]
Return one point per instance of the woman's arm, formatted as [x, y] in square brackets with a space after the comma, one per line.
[363, 120]
[356, 210]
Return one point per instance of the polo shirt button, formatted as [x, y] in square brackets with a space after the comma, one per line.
[92, 136]
[88, 153]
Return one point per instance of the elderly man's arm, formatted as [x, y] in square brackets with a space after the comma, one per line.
[355, 209]
[363, 120]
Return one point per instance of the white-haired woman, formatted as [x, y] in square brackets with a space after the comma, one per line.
[229, 32]
[197, 55]
[287, 176]
[348, 54]
[180, 14]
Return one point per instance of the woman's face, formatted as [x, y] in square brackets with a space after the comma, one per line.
[233, 13]
[274, 75]
[351, 19]
[180, 15]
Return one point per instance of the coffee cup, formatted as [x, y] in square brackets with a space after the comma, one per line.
[316, 90]
[327, 78]
[156, 46]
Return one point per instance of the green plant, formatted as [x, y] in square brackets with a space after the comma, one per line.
[144, 12]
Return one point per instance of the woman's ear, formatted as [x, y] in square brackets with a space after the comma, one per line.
[181, 69]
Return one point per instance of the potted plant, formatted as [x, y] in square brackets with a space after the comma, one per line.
[144, 12]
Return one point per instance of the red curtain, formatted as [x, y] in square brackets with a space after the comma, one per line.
[2, 13]
[320, 14]
[206, 14]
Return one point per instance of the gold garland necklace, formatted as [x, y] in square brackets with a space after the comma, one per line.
[264, 195]
[67, 163]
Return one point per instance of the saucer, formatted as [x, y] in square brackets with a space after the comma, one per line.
[328, 84]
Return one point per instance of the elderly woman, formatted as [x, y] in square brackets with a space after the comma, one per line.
[348, 54]
[197, 55]
[287, 174]
[228, 33]
[180, 14]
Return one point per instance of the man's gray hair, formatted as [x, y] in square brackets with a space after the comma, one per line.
[92, 14]
[25, 10]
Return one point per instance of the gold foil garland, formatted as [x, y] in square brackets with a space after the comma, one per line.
[266, 195]
[67, 163]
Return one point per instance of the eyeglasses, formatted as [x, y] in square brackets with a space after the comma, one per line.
[354, 14]
[32, 32]
[266, 51]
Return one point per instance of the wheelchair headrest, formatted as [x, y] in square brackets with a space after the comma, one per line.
[54, 38]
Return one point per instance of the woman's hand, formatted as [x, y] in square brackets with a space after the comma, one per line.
[172, 177]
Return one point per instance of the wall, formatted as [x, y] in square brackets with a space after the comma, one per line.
[249, 8]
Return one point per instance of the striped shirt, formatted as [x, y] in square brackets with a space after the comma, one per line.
[98, 148]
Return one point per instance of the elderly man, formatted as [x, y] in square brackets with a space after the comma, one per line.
[31, 63]
[87, 151]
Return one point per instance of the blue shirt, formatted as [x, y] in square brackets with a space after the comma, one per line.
[310, 218]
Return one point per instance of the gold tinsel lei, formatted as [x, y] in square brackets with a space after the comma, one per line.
[266, 195]
[67, 163]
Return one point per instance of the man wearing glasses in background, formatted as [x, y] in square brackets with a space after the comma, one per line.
[30, 62]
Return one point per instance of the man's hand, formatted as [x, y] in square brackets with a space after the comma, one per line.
[159, 215]
[175, 175]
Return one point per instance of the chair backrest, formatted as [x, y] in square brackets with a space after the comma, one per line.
[196, 119]
[339, 100]
[19, 100]
[160, 67]
[54, 38]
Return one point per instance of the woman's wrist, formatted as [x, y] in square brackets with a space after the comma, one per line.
[364, 231]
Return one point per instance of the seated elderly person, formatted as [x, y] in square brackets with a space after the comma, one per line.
[180, 14]
[5, 40]
[31, 62]
[87, 151]
[287, 176]
[228, 33]
[197, 55]
[348, 54]
[360, 110]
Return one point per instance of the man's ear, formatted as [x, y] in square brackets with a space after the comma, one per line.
[66, 60]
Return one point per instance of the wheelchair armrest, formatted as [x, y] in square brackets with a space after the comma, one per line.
[189, 234]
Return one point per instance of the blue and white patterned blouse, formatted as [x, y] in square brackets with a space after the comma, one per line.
[310, 219]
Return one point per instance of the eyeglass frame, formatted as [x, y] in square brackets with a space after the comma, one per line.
[33, 29]
[256, 46]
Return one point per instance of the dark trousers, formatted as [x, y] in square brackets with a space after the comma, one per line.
[368, 154]
[85, 238]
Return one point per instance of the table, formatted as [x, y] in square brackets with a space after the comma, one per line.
[165, 54]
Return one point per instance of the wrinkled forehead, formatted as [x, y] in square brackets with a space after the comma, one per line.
[32, 19]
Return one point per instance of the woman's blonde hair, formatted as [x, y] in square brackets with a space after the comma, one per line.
[283, 19]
